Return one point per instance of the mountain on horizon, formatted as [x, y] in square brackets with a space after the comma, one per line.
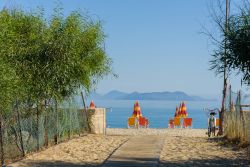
[114, 94]
[171, 96]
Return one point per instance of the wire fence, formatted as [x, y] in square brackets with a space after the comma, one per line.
[237, 117]
[23, 133]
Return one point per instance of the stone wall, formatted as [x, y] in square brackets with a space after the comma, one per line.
[98, 120]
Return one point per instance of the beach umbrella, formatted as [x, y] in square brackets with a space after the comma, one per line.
[176, 112]
[137, 110]
[180, 111]
[184, 109]
[92, 105]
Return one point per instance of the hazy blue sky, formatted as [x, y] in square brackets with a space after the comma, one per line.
[156, 45]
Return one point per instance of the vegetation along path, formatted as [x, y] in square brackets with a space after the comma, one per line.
[141, 147]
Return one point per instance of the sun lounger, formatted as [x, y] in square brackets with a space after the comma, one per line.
[187, 122]
[217, 123]
[131, 122]
[171, 123]
[143, 122]
[177, 121]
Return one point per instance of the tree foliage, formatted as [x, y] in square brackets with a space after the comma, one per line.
[54, 58]
[234, 49]
[239, 45]
[45, 60]
[8, 85]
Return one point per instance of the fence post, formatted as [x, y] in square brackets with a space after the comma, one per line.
[1, 140]
[56, 135]
[230, 98]
[46, 138]
[20, 129]
[46, 135]
[86, 120]
[69, 122]
[239, 116]
[37, 127]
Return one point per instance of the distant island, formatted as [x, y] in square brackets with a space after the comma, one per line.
[171, 96]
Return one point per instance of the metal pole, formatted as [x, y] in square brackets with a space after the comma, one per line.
[86, 119]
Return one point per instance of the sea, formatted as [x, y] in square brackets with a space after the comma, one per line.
[157, 112]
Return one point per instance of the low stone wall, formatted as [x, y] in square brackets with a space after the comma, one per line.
[98, 120]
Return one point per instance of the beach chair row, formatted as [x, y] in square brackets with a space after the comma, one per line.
[138, 122]
[180, 122]
[186, 122]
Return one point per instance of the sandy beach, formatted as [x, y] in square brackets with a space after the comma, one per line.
[182, 147]
[89, 150]
[200, 151]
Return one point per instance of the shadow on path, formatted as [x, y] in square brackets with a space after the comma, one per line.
[55, 164]
[208, 162]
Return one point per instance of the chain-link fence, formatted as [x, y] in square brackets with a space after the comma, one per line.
[237, 118]
[23, 133]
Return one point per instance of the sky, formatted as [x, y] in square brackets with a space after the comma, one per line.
[155, 45]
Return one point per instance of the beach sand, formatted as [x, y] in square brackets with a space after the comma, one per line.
[89, 150]
[183, 147]
[200, 151]
[150, 131]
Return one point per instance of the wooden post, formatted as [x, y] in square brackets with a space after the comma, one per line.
[69, 135]
[1, 140]
[46, 137]
[46, 131]
[56, 135]
[85, 112]
[37, 127]
[20, 129]
[221, 114]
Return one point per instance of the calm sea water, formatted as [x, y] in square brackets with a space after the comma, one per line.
[158, 112]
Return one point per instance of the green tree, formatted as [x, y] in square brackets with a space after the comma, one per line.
[55, 58]
[237, 46]
[8, 85]
[52, 59]
[232, 52]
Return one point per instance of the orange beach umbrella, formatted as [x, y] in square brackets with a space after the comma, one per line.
[92, 105]
[176, 112]
[184, 110]
[137, 110]
[181, 111]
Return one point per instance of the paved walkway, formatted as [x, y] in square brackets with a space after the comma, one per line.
[139, 151]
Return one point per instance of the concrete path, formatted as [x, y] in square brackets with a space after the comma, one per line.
[139, 151]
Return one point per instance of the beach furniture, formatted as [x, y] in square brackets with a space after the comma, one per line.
[179, 117]
[217, 122]
[177, 121]
[137, 110]
[132, 122]
[171, 123]
[181, 111]
[187, 122]
[137, 120]
[92, 105]
[143, 122]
